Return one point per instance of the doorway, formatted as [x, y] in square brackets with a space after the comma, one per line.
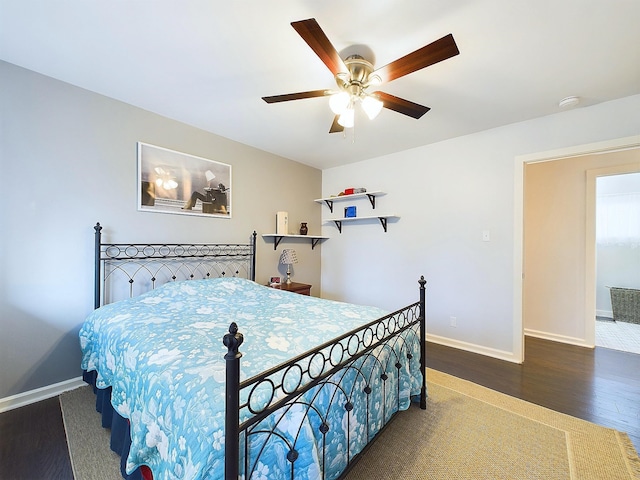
[618, 262]
[556, 294]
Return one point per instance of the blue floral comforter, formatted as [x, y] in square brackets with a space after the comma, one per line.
[162, 354]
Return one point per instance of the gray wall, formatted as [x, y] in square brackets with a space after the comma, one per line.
[68, 160]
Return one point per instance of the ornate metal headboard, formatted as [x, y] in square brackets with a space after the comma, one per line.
[125, 270]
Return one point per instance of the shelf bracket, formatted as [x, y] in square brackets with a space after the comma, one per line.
[314, 242]
[329, 204]
[372, 199]
[339, 225]
[276, 242]
[383, 221]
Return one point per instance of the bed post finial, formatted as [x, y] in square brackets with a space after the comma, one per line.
[232, 341]
[423, 343]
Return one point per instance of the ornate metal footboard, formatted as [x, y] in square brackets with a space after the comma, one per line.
[292, 417]
[341, 393]
[125, 270]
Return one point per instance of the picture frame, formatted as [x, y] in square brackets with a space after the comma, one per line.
[180, 183]
[275, 281]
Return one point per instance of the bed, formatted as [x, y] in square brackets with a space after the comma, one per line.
[202, 373]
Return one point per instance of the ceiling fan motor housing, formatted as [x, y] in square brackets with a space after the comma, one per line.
[358, 78]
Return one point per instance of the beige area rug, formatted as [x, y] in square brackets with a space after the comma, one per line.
[91, 455]
[471, 432]
[467, 432]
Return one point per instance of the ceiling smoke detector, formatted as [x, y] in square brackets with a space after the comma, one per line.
[569, 102]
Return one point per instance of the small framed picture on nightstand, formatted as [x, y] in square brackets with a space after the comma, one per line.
[274, 281]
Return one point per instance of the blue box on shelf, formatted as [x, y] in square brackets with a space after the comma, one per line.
[349, 212]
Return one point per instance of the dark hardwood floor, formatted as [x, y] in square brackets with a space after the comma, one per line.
[600, 385]
[33, 444]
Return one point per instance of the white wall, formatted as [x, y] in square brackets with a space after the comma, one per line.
[447, 194]
[68, 160]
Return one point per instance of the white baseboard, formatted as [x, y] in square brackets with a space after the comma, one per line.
[581, 342]
[471, 347]
[33, 396]
[42, 393]
[604, 313]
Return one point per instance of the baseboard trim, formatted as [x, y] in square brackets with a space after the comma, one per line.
[471, 347]
[580, 342]
[42, 393]
[604, 313]
[33, 396]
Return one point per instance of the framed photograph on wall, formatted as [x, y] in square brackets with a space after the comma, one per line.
[174, 182]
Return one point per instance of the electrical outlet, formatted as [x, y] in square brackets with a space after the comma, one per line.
[452, 321]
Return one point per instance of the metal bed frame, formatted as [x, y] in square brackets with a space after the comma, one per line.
[317, 368]
[287, 383]
[145, 266]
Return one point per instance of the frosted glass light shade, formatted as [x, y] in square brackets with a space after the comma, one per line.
[371, 107]
[339, 102]
[346, 118]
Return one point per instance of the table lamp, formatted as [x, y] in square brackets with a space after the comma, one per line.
[288, 258]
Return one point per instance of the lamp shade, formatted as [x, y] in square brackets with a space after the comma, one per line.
[288, 257]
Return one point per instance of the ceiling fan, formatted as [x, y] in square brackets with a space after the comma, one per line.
[355, 76]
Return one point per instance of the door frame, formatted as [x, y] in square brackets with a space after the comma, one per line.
[607, 146]
[591, 248]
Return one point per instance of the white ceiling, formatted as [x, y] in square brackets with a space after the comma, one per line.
[208, 63]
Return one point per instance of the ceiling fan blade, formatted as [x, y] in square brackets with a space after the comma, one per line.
[311, 33]
[335, 126]
[296, 96]
[428, 55]
[401, 105]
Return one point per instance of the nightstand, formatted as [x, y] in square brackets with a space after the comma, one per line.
[301, 288]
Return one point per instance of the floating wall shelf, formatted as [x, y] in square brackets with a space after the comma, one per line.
[382, 218]
[277, 238]
[329, 200]
[343, 198]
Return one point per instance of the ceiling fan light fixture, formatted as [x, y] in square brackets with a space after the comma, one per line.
[339, 102]
[354, 75]
[371, 106]
[346, 118]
